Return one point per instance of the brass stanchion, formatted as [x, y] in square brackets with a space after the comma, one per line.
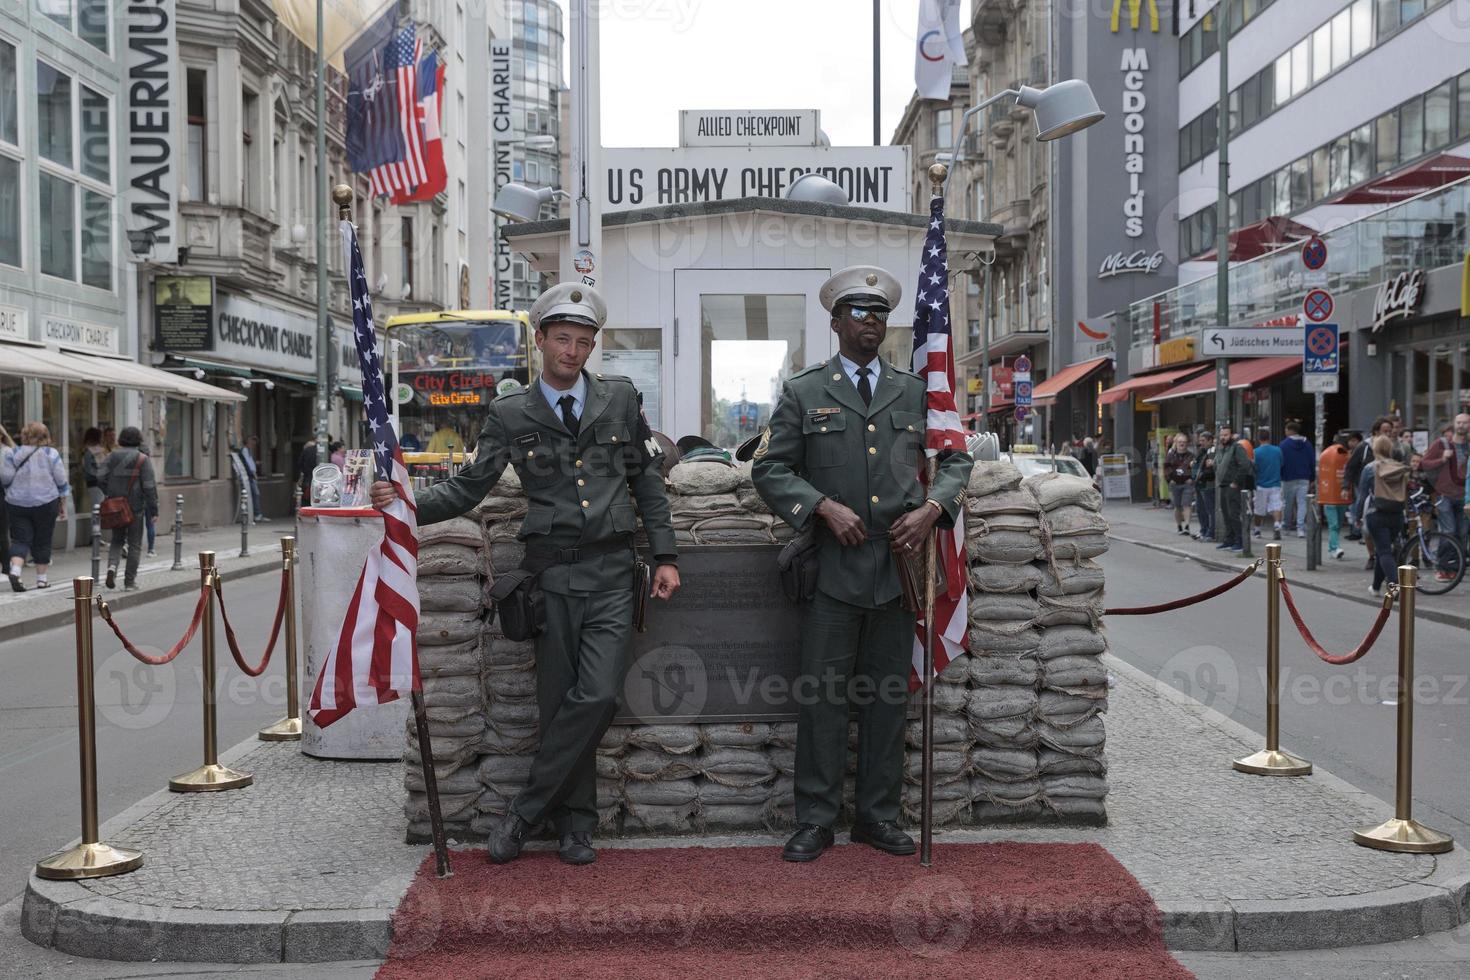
[1403, 833]
[288, 729]
[1272, 761]
[90, 858]
[210, 777]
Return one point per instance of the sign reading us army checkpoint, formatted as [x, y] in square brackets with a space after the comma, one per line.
[1253, 342]
[726, 650]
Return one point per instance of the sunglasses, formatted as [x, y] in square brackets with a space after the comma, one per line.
[861, 313]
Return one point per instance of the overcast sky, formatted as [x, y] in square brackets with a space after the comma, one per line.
[660, 56]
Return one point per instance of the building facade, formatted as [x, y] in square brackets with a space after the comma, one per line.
[537, 92]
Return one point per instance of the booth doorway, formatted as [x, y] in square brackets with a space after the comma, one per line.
[740, 335]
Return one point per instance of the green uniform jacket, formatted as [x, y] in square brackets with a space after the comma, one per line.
[582, 488]
[1232, 464]
[823, 442]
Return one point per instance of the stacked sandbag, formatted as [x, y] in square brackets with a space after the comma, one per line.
[713, 503]
[451, 600]
[1036, 687]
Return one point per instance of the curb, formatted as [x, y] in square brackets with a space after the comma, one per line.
[1433, 615]
[45, 621]
[65, 916]
[1437, 903]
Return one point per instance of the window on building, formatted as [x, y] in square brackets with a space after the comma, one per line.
[10, 249]
[92, 19]
[1321, 52]
[59, 11]
[9, 96]
[1321, 171]
[278, 171]
[1411, 129]
[96, 135]
[250, 150]
[58, 226]
[1282, 72]
[1360, 154]
[405, 269]
[197, 98]
[1301, 63]
[1387, 142]
[436, 256]
[944, 128]
[1437, 117]
[1462, 125]
[1250, 101]
[1388, 17]
[1362, 16]
[178, 438]
[53, 114]
[96, 240]
[1301, 182]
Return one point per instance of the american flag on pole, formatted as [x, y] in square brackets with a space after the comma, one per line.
[399, 62]
[376, 658]
[934, 361]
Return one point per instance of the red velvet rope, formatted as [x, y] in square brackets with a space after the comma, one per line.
[174, 651]
[1357, 652]
[1191, 600]
[234, 644]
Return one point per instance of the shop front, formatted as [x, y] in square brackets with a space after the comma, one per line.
[267, 354]
[1072, 395]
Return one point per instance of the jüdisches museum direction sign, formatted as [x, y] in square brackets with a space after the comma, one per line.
[873, 176]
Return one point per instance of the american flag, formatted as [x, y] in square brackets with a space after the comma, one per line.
[934, 361]
[408, 171]
[376, 658]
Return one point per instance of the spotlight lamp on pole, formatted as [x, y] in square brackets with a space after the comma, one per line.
[521, 202]
[1060, 110]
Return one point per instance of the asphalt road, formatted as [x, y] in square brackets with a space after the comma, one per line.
[1342, 719]
[148, 718]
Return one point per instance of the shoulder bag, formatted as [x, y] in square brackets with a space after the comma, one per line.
[116, 512]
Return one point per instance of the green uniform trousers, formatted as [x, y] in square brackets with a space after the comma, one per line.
[858, 655]
[581, 660]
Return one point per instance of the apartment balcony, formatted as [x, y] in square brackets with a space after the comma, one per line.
[990, 20]
[230, 243]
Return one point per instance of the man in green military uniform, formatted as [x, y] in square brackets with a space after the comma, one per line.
[584, 454]
[844, 448]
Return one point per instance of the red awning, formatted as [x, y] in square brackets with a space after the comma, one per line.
[1263, 236]
[1243, 374]
[1412, 180]
[1046, 392]
[1147, 384]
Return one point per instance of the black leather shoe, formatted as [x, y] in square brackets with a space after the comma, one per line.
[884, 835]
[507, 837]
[576, 848]
[111, 576]
[808, 843]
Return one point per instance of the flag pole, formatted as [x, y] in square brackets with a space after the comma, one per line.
[323, 331]
[937, 175]
[342, 194]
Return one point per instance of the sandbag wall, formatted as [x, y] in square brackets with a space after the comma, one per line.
[1018, 730]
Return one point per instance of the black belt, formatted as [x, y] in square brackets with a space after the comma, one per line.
[567, 556]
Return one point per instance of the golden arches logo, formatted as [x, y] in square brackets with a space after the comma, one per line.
[1135, 12]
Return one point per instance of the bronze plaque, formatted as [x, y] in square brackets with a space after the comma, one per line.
[725, 649]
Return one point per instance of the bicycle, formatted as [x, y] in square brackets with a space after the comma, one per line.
[1430, 551]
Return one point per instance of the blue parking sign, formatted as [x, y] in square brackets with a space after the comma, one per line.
[1320, 358]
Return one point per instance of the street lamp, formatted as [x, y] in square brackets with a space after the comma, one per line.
[1060, 110]
[521, 202]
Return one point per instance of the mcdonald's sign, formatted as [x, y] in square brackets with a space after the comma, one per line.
[1135, 12]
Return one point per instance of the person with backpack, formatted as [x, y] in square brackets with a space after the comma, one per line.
[1331, 494]
[36, 488]
[130, 493]
[1385, 488]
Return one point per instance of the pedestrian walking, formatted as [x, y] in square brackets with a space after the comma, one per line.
[305, 463]
[1298, 470]
[1268, 484]
[127, 475]
[1233, 472]
[1331, 493]
[1445, 462]
[5, 443]
[36, 488]
[1179, 471]
[250, 456]
[92, 457]
[1385, 487]
[1204, 486]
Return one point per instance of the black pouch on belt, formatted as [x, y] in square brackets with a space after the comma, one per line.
[519, 603]
[798, 565]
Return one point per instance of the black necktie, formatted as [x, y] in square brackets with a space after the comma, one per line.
[865, 388]
[567, 418]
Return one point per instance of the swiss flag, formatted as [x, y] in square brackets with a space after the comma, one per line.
[430, 116]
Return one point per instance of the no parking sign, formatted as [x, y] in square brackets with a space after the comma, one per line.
[1319, 358]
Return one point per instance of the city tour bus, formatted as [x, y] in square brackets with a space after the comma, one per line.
[444, 367]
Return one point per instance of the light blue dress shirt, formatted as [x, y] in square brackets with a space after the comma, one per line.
[875, 366]
[554, 397]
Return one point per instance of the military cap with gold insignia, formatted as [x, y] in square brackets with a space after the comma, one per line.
[860, 284]
[569, 302]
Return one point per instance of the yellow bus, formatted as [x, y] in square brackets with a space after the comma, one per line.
[445, 366]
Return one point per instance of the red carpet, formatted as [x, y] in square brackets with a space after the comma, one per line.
[982, 911]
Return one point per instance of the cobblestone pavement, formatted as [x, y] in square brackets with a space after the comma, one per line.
[312, 834]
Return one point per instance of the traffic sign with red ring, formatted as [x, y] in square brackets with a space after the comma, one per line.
[1318, 305]
[1321, 341]
[1314, 253]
